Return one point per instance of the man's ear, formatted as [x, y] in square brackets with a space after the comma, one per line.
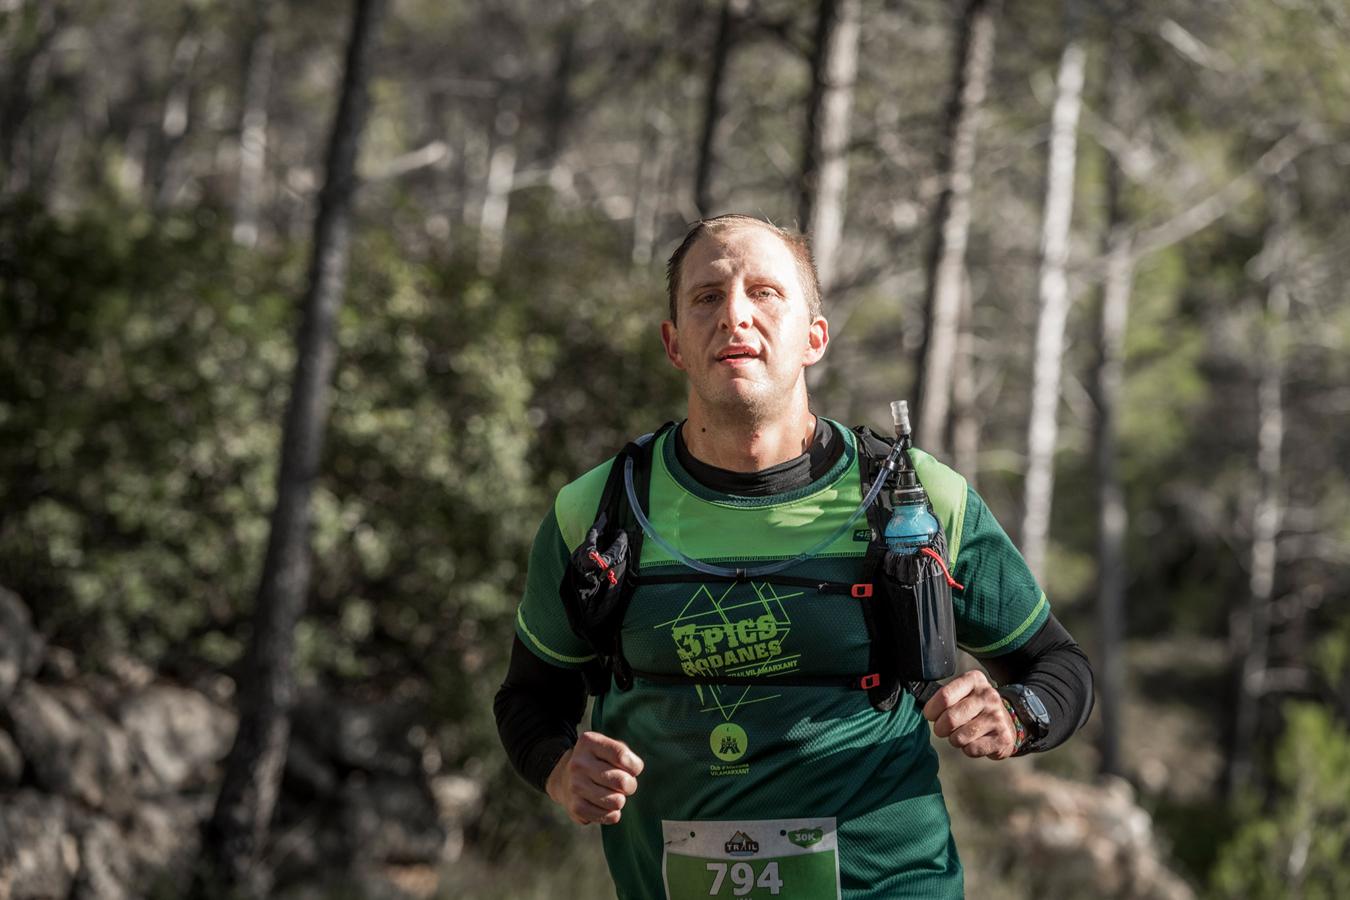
[670, 337]
[817, 339]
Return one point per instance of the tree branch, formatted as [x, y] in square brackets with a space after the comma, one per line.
[1221, 202]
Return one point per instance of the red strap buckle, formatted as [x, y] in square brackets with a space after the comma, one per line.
[861, 591]
[867, 682]
[604, 566]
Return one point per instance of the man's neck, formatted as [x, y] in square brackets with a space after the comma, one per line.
[738, 442]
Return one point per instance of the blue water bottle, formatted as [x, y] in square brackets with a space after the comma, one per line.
[912, 525]
[917, 584]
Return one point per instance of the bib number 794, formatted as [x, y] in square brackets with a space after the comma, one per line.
[743, 878]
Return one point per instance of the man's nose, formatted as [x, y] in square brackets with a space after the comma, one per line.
[739, 309]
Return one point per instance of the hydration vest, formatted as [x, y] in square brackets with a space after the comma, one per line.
[895, 641]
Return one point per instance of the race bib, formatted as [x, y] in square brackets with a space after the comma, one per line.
[796, 859]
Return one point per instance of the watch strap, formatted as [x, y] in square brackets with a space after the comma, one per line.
[1018, 727]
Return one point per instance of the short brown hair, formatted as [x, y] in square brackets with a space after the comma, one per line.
[796, 243]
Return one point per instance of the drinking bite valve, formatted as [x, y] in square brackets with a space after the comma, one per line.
[900, 416]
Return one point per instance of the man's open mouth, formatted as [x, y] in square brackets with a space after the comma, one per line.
[737, 353]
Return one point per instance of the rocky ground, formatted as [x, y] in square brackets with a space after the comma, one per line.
[106, 778]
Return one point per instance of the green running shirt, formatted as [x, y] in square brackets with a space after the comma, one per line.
[805, 793]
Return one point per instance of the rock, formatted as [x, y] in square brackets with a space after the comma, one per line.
[307, 772]
[11, 762]
[165, 835]
[21, 648]
[106, 780]
[59, 666]
[371, 737]
[178, 736]
[392, 820]
[1087, 837]
[38, 856]
[150, 853]
[73, 749]
[107, 870]
[458, 800]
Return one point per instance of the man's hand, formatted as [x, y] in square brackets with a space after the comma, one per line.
[594, 779]
[969, 712]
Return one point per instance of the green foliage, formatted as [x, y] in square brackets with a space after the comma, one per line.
[143, 371]
[141, 425]
[1301, 848]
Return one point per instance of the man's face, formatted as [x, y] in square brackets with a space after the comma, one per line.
[745, 334]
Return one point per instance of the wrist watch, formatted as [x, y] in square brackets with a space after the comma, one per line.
[1030, 711]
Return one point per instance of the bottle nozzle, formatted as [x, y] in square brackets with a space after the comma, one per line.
[900, 415]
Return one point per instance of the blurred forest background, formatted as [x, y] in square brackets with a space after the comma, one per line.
[1102, 246]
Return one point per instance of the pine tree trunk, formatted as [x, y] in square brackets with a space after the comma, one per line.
[714, 97]
[1250, 626]
[559, 113]
[236, 833]
[253, 128]
[1112, 517]
[176, 116]
[648, 190]
[1107, 386]
[1042, 430]
[965, 414]
[38, 26]
[951, 223]
[501, 181]
[824, 178]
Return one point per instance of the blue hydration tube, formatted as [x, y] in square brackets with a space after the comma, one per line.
[767, 568]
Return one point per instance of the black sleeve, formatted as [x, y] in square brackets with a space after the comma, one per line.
[1056, 668]
[537, 708]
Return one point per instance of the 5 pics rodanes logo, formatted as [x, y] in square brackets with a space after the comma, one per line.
[741, 844]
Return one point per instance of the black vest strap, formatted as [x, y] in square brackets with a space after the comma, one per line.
[854, 682]
[615, 515]
[885, 689]
[859, 590]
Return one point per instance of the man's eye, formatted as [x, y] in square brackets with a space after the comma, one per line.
[706, 298]
[766, 292]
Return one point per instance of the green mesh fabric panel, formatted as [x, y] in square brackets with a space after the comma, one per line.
[732, 753]
[1001, 605]
[753, 628]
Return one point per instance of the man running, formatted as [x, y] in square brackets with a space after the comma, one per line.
[730, 755]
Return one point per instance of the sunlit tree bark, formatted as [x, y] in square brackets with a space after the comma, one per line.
[951, 223]
[253, 126]
[824, 178]
[1048, 356]
[1107, 383]
[965, 418]
[1249, 625]
[501, 181]
[177, 113]
[733, 11]
[37, 26]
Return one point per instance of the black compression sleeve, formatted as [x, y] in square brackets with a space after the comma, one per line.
[1057, 669]
[537, 708]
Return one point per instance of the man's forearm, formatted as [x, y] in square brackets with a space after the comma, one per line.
[537, 709]
[1053, 665]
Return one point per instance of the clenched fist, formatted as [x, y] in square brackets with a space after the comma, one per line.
[594, 779]
[969, 713]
